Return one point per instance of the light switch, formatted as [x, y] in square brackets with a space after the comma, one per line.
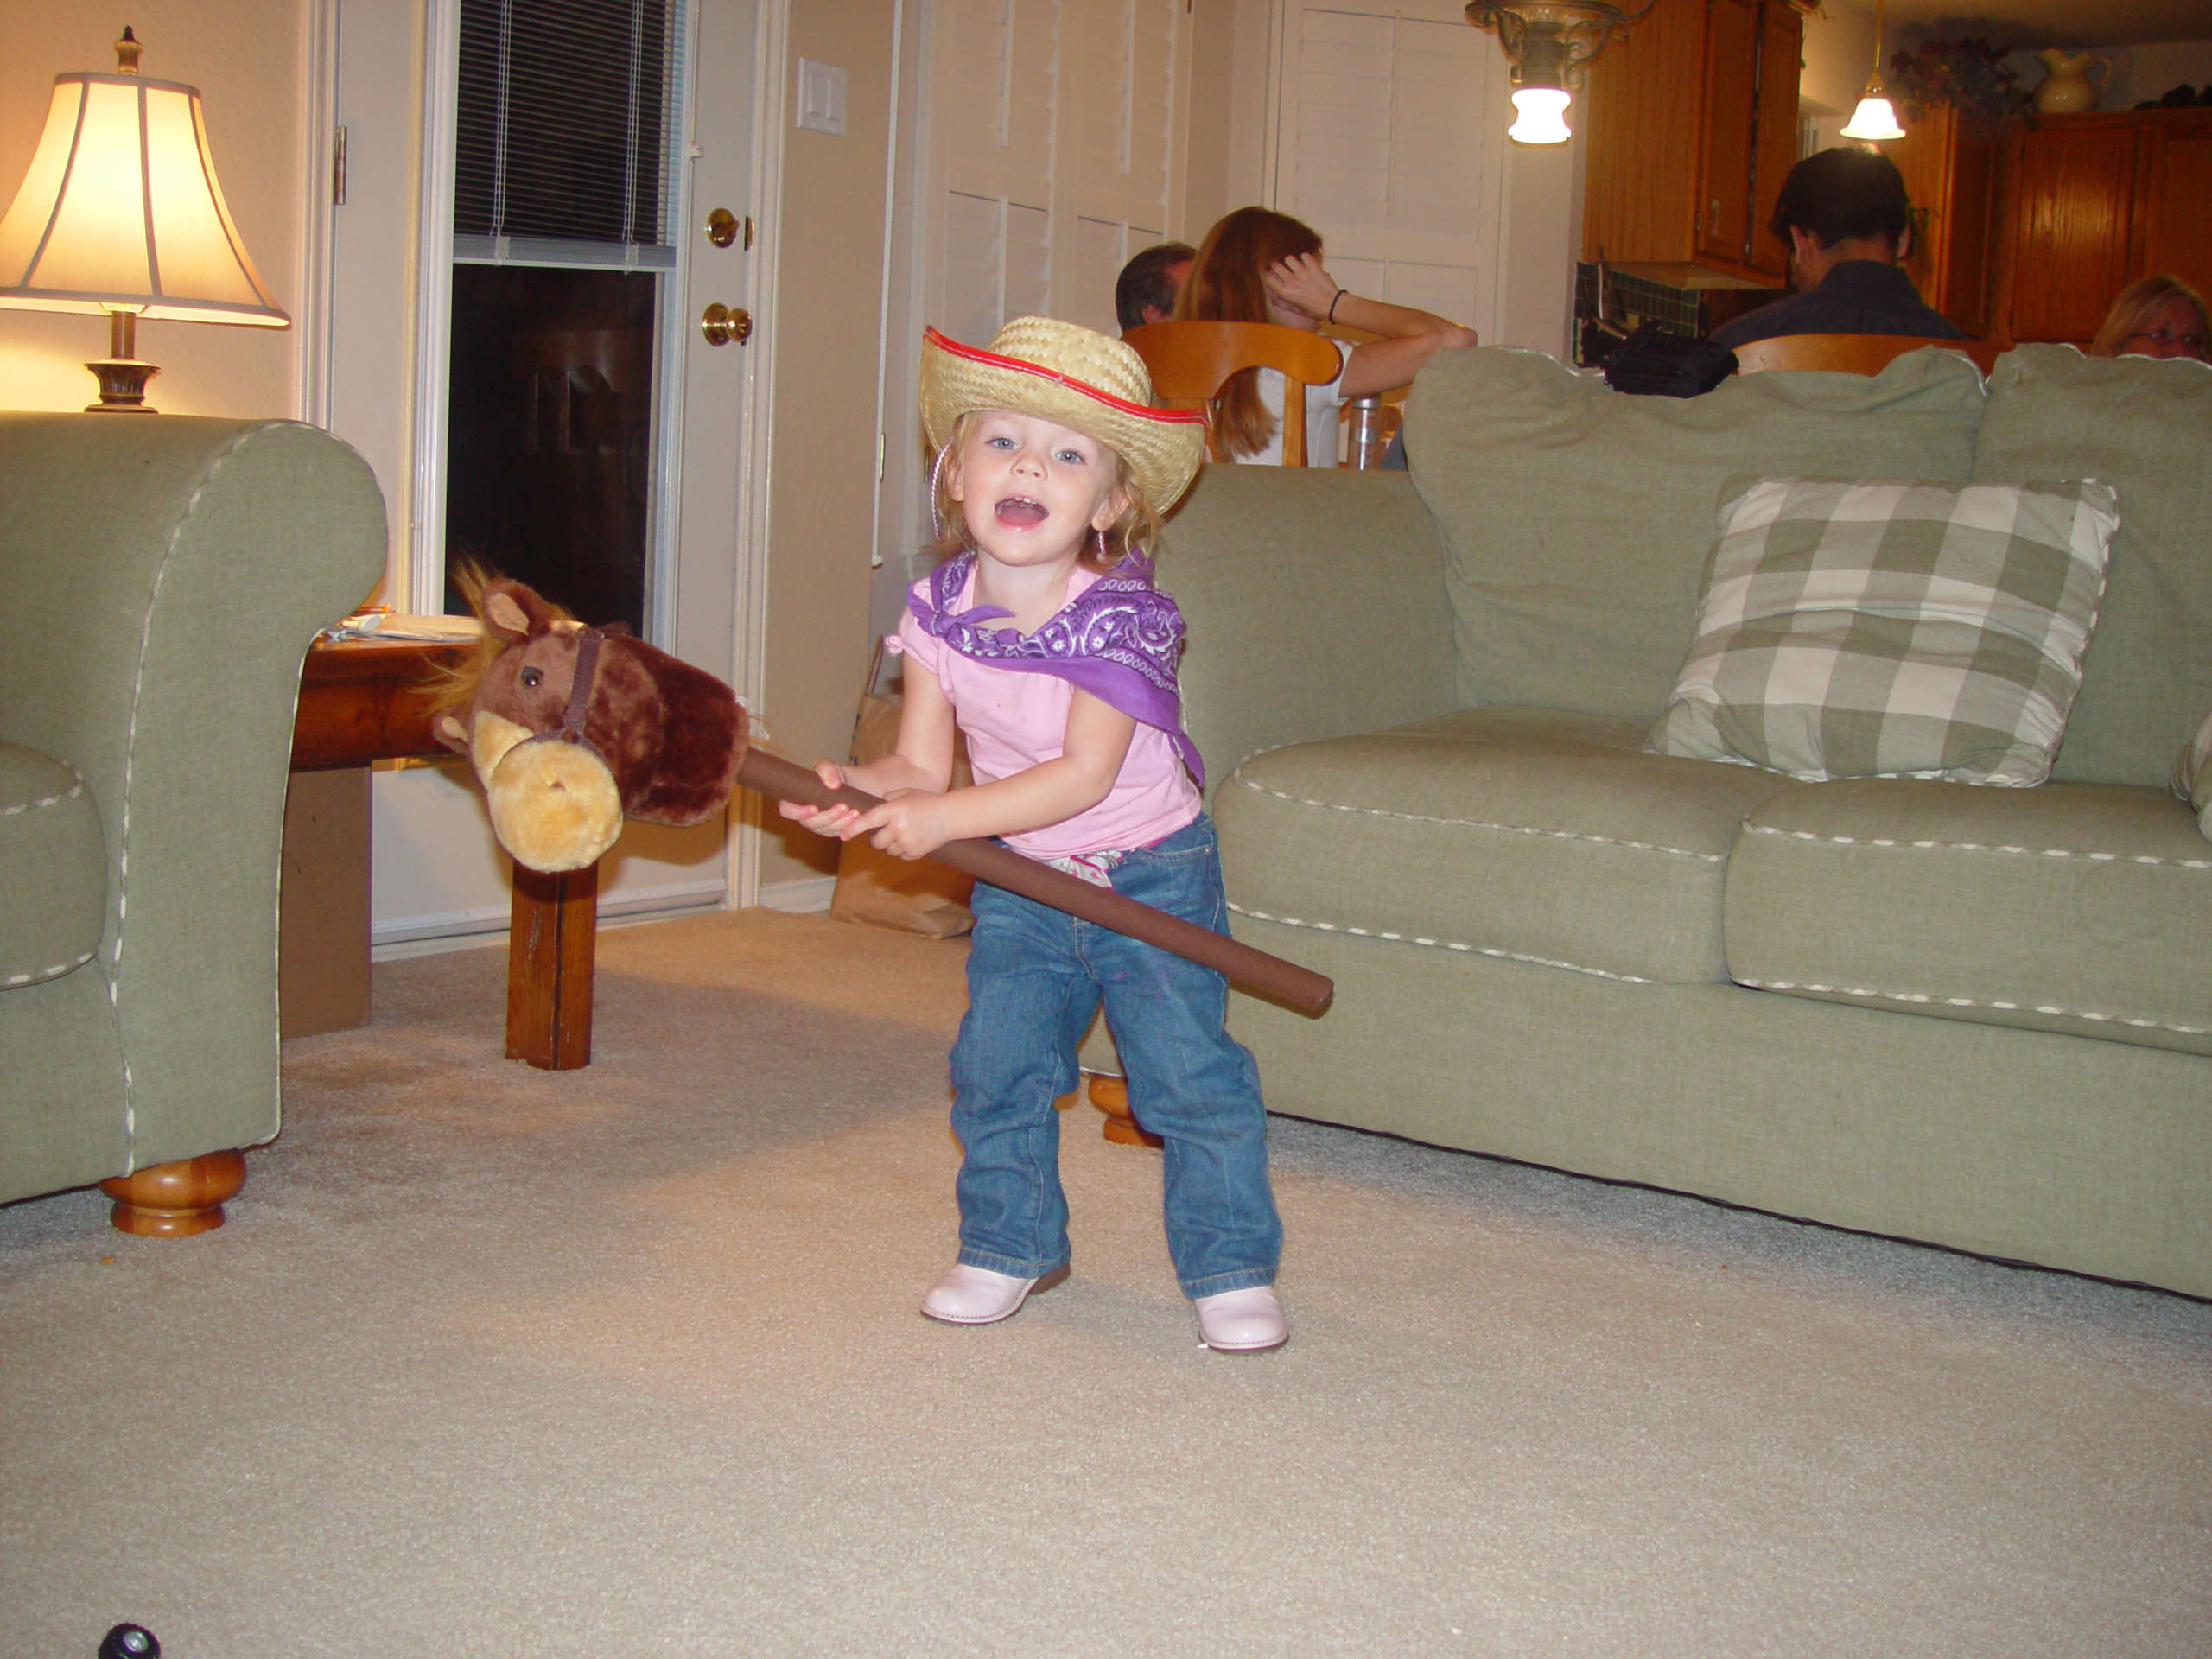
[821, 98]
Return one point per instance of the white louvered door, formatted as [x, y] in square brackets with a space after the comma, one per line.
[1057, 126]
[1389, 140]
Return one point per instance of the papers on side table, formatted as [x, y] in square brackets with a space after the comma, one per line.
[379, 624]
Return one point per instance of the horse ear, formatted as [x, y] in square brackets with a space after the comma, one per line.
[503, 612]
[514, 611]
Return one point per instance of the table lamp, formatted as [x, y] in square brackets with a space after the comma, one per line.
[121, 212]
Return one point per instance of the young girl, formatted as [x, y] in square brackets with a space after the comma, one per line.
[1043, 640]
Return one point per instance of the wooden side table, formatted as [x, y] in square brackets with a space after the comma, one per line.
[360, 701]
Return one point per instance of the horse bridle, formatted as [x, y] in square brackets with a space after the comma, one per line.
[571, 728]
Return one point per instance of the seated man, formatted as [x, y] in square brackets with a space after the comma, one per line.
[1844, 215]
[1145, 291]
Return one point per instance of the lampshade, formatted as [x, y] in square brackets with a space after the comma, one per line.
[121, 213]
[1873, 119]
[121, 210]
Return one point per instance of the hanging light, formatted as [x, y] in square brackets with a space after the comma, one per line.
[1548, 42]
[1874, 119]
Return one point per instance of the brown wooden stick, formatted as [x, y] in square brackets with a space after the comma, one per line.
[1297, 988]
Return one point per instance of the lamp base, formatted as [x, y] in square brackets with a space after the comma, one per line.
[123, 386]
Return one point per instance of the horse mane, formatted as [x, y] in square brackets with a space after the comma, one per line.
[451, 691]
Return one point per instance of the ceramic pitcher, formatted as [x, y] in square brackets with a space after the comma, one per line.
[2067, 89]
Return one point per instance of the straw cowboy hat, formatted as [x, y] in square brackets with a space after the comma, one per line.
[1073, 378]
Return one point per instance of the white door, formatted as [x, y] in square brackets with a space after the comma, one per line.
[1389, 140]
[1058, 130]
[438, 873]
[1050, 136]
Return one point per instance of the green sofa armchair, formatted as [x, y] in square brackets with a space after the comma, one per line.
[1975, 1016]
[160, 579]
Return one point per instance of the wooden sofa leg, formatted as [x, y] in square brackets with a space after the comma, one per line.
[176, 1200]
[1111, 1096]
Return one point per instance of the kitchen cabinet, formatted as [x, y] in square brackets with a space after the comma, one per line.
[1691, 122]
[1950, 159]
[2094, 201]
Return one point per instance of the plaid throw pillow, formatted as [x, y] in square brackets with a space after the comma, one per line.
[2192, 775]
[1865, 629]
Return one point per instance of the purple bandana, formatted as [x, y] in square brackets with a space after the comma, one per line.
[1117, 640]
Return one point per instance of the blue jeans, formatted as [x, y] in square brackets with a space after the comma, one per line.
[1035, 976]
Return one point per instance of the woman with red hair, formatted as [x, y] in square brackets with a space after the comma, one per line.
[1260, 266]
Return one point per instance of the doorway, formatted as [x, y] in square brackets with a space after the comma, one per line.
[529, 390]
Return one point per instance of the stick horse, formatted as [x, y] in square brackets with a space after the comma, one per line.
[573, 729]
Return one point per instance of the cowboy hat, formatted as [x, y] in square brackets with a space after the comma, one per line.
[1061, 372]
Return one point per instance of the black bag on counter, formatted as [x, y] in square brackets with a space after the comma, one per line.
[1655, 363]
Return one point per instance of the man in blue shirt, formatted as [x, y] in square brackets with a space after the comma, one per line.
[1845, 214]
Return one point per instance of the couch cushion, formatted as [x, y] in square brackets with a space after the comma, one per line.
[2144, 426]
[53, 868]
[1859, 629]
[2192, 774]
[2076, 907]
[1519, 833]
[1579, 518]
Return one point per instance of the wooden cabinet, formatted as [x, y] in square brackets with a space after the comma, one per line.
[1950, 159]
[1692, 123]
[2094, 201]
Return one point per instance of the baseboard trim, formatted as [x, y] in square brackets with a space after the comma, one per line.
[809, 897]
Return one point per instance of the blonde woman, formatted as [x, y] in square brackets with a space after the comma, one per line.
[2158, 316]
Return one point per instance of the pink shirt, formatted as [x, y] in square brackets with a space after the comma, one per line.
[1015, 719]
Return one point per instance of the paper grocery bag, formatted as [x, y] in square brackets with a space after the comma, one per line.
[915, 895]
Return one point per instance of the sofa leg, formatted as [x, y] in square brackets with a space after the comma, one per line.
[1111, 1096]
[175, 1200]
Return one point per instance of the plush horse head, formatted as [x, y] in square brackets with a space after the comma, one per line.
[572, 729]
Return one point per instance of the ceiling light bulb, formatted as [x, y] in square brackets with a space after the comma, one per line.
[1873, 120]
[1539, 117]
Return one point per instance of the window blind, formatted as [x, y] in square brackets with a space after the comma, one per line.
[563, 152]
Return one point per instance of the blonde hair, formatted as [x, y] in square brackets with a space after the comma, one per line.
[2134, 305]
[1136, 529]
[1228, 283]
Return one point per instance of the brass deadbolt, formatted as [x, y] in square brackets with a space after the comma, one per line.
[721, 325]
[723, 226]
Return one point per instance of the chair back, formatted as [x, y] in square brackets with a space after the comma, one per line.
[1188, 362]
[1851, 353]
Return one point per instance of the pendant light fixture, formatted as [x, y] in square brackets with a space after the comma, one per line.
[1548, 42]
[1874, 120]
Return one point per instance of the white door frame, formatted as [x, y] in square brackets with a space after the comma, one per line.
[406, 455]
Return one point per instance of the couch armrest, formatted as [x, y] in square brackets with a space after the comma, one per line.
[160, 579]
[1316, 604]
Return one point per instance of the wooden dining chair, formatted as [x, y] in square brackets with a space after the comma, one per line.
[1851, 353]
[1188, 362]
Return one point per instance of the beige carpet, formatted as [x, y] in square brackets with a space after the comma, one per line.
[625, 1360]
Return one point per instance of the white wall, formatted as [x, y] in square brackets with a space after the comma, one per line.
[1839, 55]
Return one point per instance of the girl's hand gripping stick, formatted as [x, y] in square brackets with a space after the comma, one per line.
[1285, 983]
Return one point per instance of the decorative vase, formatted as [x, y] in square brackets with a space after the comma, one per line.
[2067, 88]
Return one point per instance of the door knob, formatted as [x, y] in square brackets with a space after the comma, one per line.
[721, 325]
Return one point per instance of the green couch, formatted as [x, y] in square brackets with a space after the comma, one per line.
[160, 578]
[1980, 1017]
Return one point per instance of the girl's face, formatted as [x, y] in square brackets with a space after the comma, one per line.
[1032, 492]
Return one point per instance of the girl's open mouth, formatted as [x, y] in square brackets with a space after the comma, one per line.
[1020, 513]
